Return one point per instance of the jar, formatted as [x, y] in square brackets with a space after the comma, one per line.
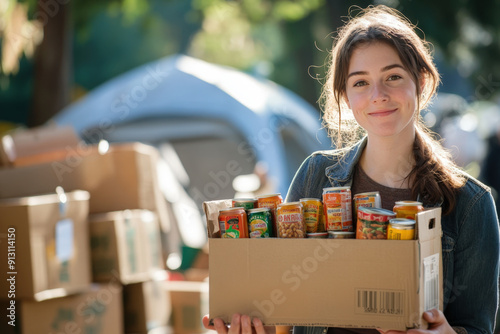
[291, 220]
[407, 209]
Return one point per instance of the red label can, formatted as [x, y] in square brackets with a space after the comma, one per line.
[337, 209]
[233, 223]
[372, 223]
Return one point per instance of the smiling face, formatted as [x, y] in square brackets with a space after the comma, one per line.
[381, 92]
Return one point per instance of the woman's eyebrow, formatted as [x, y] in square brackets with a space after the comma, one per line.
[384, 69]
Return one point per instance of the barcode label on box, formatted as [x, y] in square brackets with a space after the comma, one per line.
[380, 302]
[431, 282]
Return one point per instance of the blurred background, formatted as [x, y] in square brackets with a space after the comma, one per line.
[54, 52]
[227, 90]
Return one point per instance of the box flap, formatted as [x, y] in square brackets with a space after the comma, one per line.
[429, 224]
[76, 195]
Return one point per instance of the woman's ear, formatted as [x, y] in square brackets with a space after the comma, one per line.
[346, 100]
[423, 80]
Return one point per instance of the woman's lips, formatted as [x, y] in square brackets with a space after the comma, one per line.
[381, 113]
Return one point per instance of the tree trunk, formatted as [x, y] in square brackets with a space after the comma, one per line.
[53, 61]
[300, 47]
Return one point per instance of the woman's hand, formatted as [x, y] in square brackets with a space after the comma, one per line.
[239, 324]
[437, 325]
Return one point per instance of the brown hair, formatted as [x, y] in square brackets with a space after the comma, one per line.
[438, 176]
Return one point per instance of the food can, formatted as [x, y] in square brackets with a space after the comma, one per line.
[260, 224]
[246, 203]
[312, 209]
[341, 235]
[369, 200]
[337, 209]
[317, 235]
[270, 201]
[372, 223]
[401, 229]
[407, 209]
[291, 220]
[233, 223]
[321, 221]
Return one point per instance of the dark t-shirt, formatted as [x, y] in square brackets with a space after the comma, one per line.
[361, 183]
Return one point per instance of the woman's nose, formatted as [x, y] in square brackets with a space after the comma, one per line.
[379, 93]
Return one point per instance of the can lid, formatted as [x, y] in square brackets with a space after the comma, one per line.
[336, 188]
[258, 210]
[268, 195]
[379, 211]
[402, 221]
[289, 204]
[244, 199]
[309, 199]
[317, 234]
[409, 203]
[341, 232]
[367, 194]
[234, 208]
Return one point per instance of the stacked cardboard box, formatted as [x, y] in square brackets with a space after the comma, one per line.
[118, 177]
[189, 305]
[112, 213]
[126, 248]
[47, 277]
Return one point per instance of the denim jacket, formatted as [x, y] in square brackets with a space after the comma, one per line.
[470, 241]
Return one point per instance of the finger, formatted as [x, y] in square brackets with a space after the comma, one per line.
[434, 316]
[206, 322]
[259, 326]
[246, 325]
[235, 324]
[220, 327]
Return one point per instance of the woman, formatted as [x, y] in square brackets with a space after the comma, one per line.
[381, 76]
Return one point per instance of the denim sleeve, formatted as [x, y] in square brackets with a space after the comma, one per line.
[296, 191]
[476, 260]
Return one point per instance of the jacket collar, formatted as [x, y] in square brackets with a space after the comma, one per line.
[341, 171]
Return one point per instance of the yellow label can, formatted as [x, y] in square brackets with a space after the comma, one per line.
[401, 229]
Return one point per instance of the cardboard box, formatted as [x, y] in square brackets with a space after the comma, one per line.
[97, 310]
[146, 305]
[125, 245]
[385, 284]
[40, 144]
[119, 178]
[46, 238]
[189, 305]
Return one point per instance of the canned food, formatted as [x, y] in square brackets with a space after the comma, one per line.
[291, 220]
[233, 223]
[401, 229]
[372, 223]
[407, 209]
[341, 235]
[260, 224]
[246, 203]
[337, 209]
[369, 200]
[318, 235]
[312, 213]
[270, 201]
